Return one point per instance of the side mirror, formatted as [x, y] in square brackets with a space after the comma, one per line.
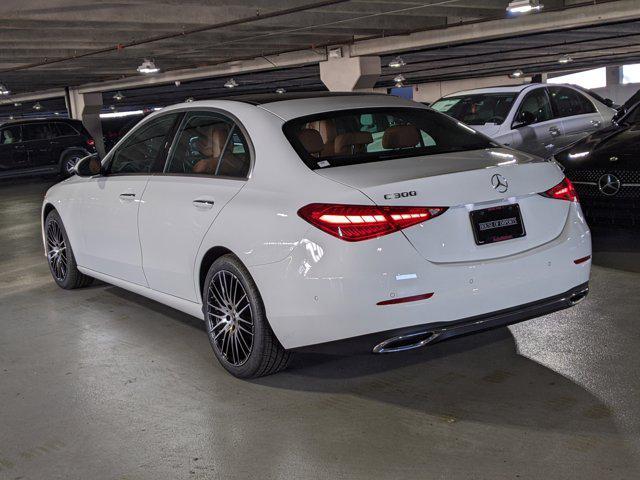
[608, 102]
[88, 166]
[525, 118]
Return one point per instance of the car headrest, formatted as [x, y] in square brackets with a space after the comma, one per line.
[326, 128]
[212, 139]
[311, 140]
[346, 143]
[401, 136]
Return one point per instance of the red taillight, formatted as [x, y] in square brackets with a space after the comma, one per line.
[354, 223]
[91, 142]
[562, 191]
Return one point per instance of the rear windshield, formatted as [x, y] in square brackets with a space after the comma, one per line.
[477, 109]
[349, 137]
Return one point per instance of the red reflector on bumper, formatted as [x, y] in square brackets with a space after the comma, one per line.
[582, 260]
[413, 298]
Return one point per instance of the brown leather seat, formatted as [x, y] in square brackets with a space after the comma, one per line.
[311, 140]
[401, 136]
[210, 145]
[328, 132]
[352, 142]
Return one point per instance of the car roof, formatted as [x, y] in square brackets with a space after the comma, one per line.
[499, 89]
[295, 105]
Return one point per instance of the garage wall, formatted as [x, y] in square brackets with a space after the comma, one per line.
[618, 93]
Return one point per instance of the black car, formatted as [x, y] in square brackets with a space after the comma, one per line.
[30, 147]
[605, 170]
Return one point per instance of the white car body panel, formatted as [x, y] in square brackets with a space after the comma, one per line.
[316, 287]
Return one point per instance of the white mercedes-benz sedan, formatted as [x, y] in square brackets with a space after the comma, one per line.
[291, 220]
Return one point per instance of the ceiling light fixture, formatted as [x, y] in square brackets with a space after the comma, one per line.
[147, 66]
[118, 97]
[17, 104]
[37, 106]
[524, 6]
[11, 117]
[4, 90]
[399, 79]
[189, 99]
[280, 90]
[516, 74]
[231, 83]
[565, 59]
[397, 62]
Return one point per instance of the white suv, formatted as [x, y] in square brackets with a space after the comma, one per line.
[536, 118]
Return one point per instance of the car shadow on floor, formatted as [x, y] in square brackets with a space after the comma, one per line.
[615, 247]
[476, 378]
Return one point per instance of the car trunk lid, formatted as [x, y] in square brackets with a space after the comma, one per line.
[463, 183]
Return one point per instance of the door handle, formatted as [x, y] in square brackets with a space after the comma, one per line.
[127, 197]
[203, 204]
[554, 131]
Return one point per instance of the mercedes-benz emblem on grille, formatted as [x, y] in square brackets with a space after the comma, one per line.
[499, 183]
[609, 184]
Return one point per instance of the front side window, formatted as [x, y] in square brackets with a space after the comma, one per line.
[351, 137]
[535, 107]
[477, 109]
[141, 151]
[10, 135]
[209, 144]
[35, 131]
[568, 102]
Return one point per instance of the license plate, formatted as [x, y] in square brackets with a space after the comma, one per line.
[497, 224]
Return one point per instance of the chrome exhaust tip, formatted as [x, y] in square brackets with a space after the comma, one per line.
[405, 342]
[577, 297]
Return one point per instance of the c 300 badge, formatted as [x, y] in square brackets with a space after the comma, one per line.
[393, 196]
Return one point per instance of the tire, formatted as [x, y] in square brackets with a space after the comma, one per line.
[68, 161]
[62, 263]
[236, 322]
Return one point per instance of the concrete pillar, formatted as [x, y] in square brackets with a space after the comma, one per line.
[86, 107]
[614, 75]
[348, 74]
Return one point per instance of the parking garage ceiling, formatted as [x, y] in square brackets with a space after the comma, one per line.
[56, 43]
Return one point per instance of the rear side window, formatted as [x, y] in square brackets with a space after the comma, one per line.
[10, 135]
[141, 151]
[63, 130]
[350, 137]
[477, 109]
[35, 131]
[568, 102]
[211, 144]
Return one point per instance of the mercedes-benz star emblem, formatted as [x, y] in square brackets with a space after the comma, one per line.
[499, 183]
[609, 184]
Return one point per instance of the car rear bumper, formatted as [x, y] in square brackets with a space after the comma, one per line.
[418, 336]
[331, 290]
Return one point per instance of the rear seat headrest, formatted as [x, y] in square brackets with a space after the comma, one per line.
[311, 140]
[344, 142]
[401, 136]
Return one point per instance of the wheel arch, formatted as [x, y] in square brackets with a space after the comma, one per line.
[207, 260]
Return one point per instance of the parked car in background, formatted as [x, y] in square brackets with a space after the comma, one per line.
[626, 106]
[45, 146]
[536, 118]
[605, 169]
[289, 220]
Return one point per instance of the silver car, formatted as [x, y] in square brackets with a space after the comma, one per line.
[535, 118]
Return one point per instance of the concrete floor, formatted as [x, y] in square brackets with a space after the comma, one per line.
[103, 384]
